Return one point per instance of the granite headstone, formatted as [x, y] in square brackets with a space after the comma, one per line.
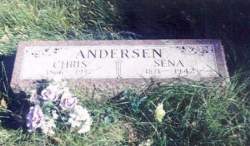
[118, 64]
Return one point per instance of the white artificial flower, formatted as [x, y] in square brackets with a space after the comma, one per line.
[48, 126]
[148, 142]
[80, 119]
[54, 114]
[86, 126]
[74, 123]
[159, 112]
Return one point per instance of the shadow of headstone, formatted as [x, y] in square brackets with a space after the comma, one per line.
[17, 104]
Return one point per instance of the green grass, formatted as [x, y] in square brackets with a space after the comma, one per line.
[195, 115]
[54, 20]
[107, 129]
[227, 20]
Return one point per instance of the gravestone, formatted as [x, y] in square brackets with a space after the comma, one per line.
[112, 66]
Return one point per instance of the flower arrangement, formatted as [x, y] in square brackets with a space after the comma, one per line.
[55, 106]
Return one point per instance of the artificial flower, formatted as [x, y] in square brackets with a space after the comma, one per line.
[48, 126]
[34, 118]
[159, 112]
[51, 93]
[54, 114]
[60, 107]
[68, 101]
[80, 119]
[148, 142]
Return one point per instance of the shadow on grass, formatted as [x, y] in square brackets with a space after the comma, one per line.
[6, 69]
[227, 20]
[13, 117]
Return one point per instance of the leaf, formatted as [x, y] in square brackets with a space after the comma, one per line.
[93, 22]
[3, 104]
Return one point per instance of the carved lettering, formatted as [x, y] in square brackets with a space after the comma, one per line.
[69, 64]
[168, 63]
[120, 53]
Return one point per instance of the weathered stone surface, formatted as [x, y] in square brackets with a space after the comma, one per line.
[115, 65]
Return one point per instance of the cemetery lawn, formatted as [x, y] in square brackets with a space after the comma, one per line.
[195, 114]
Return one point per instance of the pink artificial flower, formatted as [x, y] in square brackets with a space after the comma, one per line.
[51, 93]
[68, 101]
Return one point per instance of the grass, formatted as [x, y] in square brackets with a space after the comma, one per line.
[103, 132]
[196, 114]
[227, 20]
[54, 20]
